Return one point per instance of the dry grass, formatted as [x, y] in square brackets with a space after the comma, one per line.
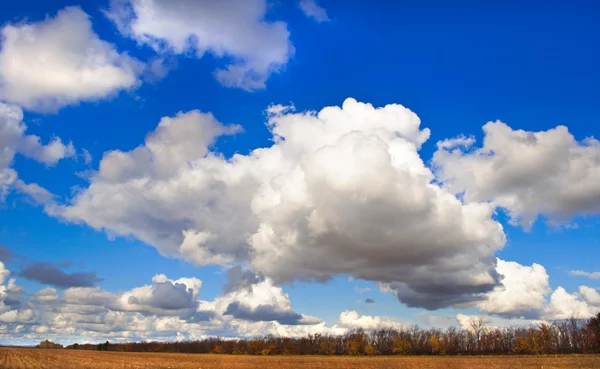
[67, 359]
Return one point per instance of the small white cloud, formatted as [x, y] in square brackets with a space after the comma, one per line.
[581, 273]
[362, 289]
[17, 316]
[460, 141]
[487, 322]
[352, 320]
[13, 141]
[46, 295]
[39, 195]
[158, 68]
[49, 154]
[87, 157]
[226, 29]
[312, 10]
[61, 61]
[590, 295]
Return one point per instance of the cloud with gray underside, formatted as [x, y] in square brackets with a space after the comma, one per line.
[5, 254]
[263, 313]
[48, 274]
[238, 278]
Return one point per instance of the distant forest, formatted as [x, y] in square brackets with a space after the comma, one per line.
[572, 336]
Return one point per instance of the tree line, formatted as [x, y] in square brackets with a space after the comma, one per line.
[561, 337]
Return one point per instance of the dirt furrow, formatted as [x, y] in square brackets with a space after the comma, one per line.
[69, 359]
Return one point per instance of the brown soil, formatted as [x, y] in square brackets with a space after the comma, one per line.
[69, 359]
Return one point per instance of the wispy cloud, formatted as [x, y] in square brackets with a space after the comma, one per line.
[312, 10]
[362, 289]
[581, 273]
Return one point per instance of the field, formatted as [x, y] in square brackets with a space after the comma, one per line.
[67, 359]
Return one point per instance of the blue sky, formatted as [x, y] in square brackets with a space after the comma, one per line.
[457, 67]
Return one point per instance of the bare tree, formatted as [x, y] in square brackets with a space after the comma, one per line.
[477, 337]
[478, 324]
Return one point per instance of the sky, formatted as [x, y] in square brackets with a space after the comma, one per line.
[178, 169]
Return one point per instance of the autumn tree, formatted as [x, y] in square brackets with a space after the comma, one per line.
[593, 329]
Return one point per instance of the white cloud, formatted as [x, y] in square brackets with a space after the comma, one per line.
[261, 301]
[49, 154]
[169, 185]
[8, 176]
[13, 140]
[362, 289]
[564, 305]
[11, 133]
[490, 322]
[61, 61]
[17, 316]
[192, 248]
[4, 273]
[523, 291]
[233, 30]
[528, 173]
[39, 195]
[46, 295]
[41, 329]
[524, 295]
[452, 143]
[340, 191]
[312, 10]
[168, 309]
[352, 320]
[10, 297]
[353, 196]
[87, 296]
[165, 310]
[163, 298]
[87, 157]
[581, 273]
[590, 296]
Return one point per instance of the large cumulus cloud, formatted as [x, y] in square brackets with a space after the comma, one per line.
[343, 190]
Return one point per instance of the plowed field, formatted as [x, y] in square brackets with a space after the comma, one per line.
[67, 359]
